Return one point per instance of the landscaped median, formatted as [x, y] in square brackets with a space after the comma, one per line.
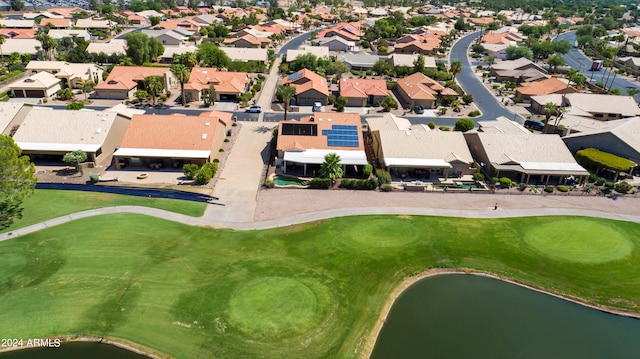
[312, 290]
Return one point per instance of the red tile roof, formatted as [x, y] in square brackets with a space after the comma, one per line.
[223, 81]
[305, 80]
[172, 132]
[362, 88]
[125, 77]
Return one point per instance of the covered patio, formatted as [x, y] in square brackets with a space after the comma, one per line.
[315, 157]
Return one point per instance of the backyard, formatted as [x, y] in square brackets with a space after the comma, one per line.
[313, 290]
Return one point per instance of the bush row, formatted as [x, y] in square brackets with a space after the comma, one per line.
[366, 184]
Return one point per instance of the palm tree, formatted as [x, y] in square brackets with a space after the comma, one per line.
[550, 108]
[455, 68]
[633, 92]
[182, 73]
[571, 75]
[284, 93]
[331, 167]
[48, 43]
[154, 86]
[3, 39]
[187, 59]
[83, 84]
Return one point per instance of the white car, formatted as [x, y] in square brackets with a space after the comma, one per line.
[317, 107]
[254, 109]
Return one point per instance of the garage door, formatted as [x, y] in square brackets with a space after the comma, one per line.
[228, 97]
[35, 93]
[18, 93]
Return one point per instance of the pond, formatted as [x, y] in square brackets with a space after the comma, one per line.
[74, 350]
[466, 316]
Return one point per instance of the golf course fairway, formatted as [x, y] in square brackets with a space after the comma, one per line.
[312, 290]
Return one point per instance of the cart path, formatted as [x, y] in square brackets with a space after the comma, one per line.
[284, 220]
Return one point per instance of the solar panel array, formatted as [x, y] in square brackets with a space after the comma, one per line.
[342, 136]
[294, 76]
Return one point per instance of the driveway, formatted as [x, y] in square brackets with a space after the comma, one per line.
[488, 104]
[577, 60]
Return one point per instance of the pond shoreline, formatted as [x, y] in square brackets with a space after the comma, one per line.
[371, 339]
[120, 343]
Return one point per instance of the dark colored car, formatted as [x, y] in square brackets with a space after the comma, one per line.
[533, 124]
[419, 109]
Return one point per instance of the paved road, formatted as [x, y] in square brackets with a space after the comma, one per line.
[483, 98]
[294, 43]
[577, 60]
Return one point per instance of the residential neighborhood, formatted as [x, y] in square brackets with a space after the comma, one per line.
[271, 176]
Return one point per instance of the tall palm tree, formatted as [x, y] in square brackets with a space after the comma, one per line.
[181, 73]
[284, 93]
[48, 43]
[455, 68]
[331, 167]
[83, 84]
[187, 59]
[550, 109]
[3, 39]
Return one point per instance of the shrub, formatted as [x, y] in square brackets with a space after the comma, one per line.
[609, 185]
[495, 180]
[432, 124]
[464, 125]
[367, 170]
[479, 177]
[221, 150]
[206, 173]
[384, 177]
[467, 98]
[591, 157]
[522, 187]
[548, 189]
[269, 184]
[391, 85]
[226, 140]
[320, 183]
[65, 94]
[474, 113]
[94, 178]
[75, 106]
[444, 128]
[190, 169]
[386, 188]
[346, 183]
[623, 187]
[562, 188]
[505, 182]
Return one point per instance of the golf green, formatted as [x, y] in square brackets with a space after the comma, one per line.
[579, 240]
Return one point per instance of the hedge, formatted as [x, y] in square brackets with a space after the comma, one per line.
[562, 188]
[321, 183]
[590, 157]
[365, 184]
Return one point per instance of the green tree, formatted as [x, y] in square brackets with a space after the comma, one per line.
[181, 73]
[141, 48]
[188, 59]
[562, 46]
[331, 167]
[16, 5]
[3, 39]
[554, 61]
[516, 52]
[155, 20]
[455, 68]
[48, 44]
[337, 68]
[340, 103]
[75, 157]
[550, 109]
[389, 103]
[418, 64]
[17, 180]
[383, 67]
[211, 56]
[285, 93]
[154, 86]
[464, 125]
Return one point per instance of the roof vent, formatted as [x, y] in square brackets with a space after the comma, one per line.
[98, 130]
[206, 123]
[104, 118]
[328, 120]
[407, 132]
[204, 136]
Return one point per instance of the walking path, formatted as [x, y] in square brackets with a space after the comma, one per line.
[320, 205]
[269, 88]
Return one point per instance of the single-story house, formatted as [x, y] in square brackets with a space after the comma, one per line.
[228, 85]
[523, 157]
[310, 87]
[417, 47]
[517, 70]
[55, 23]
[619, 137]
[12, 114]
[409, 60]
[359, 60]
[170, 51]
[42, 84]
[502, 125]
[419, 89]
[49, 134]
[360, 92]
[21, 46]
[17, 24]
[590, 106]
[417, 151]
[94, 24]
[306, 142]
[246, 54]
[123, 81]
[73, 34]
[18, 33]
[166, 37]
[318, 51]
[114, 46]
[69, 73]
[248, 41]
[172, 140]
[548, 86]
[336, 43]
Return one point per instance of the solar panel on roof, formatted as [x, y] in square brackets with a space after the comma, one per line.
[342, 136]
[294, 76]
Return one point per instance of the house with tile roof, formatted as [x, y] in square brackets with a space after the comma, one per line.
[412, 44]
[18, 33]
[248, 40]
[123, 81]
[73, 34]
[22, 46]
[416, 151]
[310, 87]
[228, 85]
[185, 24]
[350, 31]
[113, 46]
[40, 85]
[94, 24]
[167, 37]
[17, 24]
[302, 145]
[419, 89]
[49, 134]
[246, 54]
[358, 60]
[525, 157]
[360, 92]
[55, 23]
[336, 43]
[518, 70]
[502, 37]
[69, 73]
[552, 85]
[172, 140]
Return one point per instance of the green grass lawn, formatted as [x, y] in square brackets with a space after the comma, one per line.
[47, 204]
[307, 291]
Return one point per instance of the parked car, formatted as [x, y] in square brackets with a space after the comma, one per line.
[317, 107]
[254, 109]
[533, 124]
[419, 109]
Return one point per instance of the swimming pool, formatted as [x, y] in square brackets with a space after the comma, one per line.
[460, 185]
[284, 181]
